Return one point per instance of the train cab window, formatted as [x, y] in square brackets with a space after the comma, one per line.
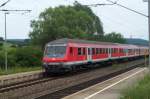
[79, 51]
[55, 51]
[83, 51]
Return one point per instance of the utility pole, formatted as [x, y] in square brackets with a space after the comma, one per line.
[149, 29]
[7, 12]
[5, 44]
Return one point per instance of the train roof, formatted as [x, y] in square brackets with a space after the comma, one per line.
[66, 40]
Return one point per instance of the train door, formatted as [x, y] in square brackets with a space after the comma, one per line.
[89, 54]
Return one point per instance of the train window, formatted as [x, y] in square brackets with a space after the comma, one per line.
[114, 50]
[103, 50]
[93, 51]
[97, 51]
[55, 51]
[121, 50]
[71, 50]
[100, 51]
[89, 51]
[111, 50]
[83, 51]
[106, 50]
[79, 51]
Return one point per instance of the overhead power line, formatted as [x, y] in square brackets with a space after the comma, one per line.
[4, 3]
[102, 4]
[5, 10]
[128, 8]
[115, 3]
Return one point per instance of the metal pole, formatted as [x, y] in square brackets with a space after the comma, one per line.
[6, 67]
[149, 28]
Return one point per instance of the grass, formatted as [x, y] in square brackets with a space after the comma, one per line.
[18, 70]
[138, 91]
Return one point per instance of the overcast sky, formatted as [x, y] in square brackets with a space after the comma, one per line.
[114, 18]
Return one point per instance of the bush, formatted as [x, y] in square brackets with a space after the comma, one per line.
[141, 90]
[10, 56]
[2, 62]
[25, 56]
[28, 56]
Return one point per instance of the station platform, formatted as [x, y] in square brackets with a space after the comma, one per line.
[111, 88]
[19, 77]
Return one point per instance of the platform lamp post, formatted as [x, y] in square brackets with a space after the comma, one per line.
[5, 44]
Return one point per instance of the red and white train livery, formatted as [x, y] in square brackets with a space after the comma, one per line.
[67, 54]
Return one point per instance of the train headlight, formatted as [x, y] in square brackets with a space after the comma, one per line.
[53, 58]
[45, 64]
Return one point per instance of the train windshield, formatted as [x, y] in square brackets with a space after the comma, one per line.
[55, 51]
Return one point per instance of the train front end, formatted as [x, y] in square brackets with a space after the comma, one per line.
[54, 58]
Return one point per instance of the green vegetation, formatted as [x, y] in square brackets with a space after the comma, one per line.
[18, 69]
[75, 21]
[24, 56]
[139, 91]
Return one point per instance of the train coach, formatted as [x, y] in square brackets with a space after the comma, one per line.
[68, 54]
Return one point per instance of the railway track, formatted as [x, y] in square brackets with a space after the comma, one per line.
[59, 86]
[21, 85]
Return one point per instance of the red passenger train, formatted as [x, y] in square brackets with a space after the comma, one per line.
[67, 54]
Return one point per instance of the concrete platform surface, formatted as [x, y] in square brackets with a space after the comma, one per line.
[112, 88]
[19, 77]
[19, 74]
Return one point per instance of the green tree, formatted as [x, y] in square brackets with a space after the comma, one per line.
[97, 24]
[64, 22]
[114, 37]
